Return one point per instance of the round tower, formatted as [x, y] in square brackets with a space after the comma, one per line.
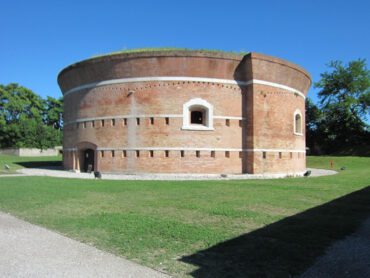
[184, 112]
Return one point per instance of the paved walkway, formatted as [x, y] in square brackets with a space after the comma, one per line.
[30, 251]
[59, 172]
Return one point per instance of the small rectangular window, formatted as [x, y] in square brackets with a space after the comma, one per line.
[152, 121]
[151, 153]
[240, 123]
[167, 121]
[84, 124]
[112, 153]
[137, 153]
[93, 123]
[102, 153]
[264, 155]
[167, 153]
[227, 154]
[138, 121]
[291, 155]
[280, 155]
[125, 121]
[182, 153]
[197, 153]
[240, 154]
[113, 122]
[124, 153]
[227, 122]
[213, 154]
[102, 123]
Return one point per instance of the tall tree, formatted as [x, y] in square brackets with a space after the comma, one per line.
[347, 86]
[54, 112]
[313, 126]
[27, 120]
[17, 101]
[345, 99]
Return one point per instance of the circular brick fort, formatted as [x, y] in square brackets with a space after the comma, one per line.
[185, 112]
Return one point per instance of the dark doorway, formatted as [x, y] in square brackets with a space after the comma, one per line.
[89, 160]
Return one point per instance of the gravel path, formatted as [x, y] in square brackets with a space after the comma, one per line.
[13, 175]
[30, 251]
[348, 258]
[321, 172]
[59, 172]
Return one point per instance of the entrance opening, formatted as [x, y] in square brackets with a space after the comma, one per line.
[89, 160]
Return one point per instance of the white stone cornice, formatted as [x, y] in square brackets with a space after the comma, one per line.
[182, 79]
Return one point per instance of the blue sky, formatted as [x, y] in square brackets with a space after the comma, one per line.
[40, 38]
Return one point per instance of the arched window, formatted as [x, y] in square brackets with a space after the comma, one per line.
[298, 122]
[197, 115]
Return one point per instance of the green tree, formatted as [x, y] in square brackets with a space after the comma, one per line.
[54, 112]
[16, 101]
[27, 120]
[347, 86]
[313, 126]
[344, 99]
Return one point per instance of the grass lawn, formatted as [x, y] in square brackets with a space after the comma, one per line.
[156, 49]
[15, 162]
[259, 228]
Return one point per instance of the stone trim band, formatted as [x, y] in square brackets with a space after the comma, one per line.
[180, 78]
[190, 149]
[143, 116]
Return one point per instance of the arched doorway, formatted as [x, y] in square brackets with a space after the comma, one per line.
[85, 157]
[88, 165]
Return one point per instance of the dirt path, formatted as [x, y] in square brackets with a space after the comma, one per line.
[59, 172]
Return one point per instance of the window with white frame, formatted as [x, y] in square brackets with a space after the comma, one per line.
[197, 115]
[298, 122]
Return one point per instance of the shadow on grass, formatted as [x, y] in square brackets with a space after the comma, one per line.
[55, 165]
[285, 248]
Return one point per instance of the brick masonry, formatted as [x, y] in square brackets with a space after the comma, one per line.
[142, 130]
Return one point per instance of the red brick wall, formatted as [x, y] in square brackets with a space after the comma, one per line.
[268, 113]
[273, 116]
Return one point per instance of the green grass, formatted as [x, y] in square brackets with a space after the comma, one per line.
[15, 162]
[150, 49]
[263, 228]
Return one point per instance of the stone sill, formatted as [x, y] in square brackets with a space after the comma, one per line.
[205, 128]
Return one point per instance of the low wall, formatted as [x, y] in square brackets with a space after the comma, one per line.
[31, 151]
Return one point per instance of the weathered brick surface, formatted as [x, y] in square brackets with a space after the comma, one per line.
[267, 111]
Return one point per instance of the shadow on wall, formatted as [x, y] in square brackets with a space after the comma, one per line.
[243, 72]
[285, 248]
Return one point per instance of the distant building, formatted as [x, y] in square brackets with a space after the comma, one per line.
[185, 112]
